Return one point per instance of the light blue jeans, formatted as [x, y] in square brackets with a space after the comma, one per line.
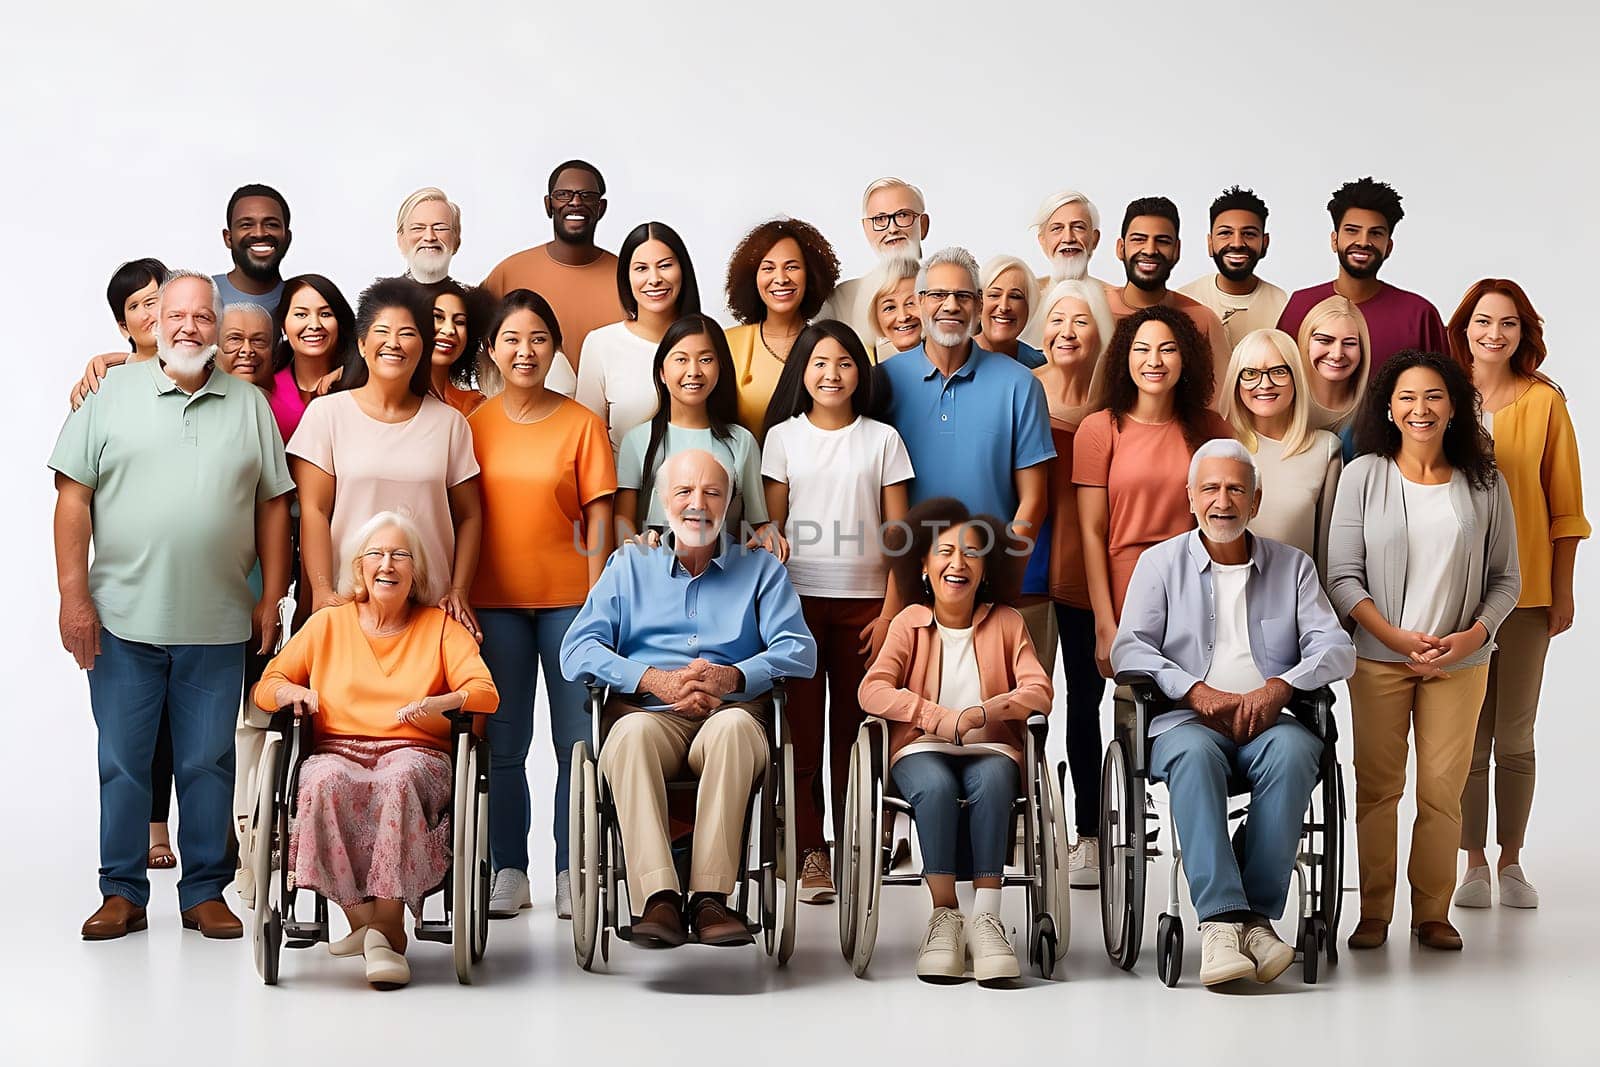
[1280, 764]
[970, 842]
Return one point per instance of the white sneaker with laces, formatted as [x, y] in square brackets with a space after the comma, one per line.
[564, 894]
[1083, 863]
[993, 958]
[509, 893]
[1473, 892]
[943, 955]
[1222, 957]
[1515, 889]
[1263, 945]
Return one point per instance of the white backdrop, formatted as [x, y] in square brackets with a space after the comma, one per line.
[126, 127]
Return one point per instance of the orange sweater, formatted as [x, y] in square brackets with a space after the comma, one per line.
[902, 685]
[362, 681]
[1537, 451]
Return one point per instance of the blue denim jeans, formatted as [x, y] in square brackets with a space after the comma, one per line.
[515, 643]
[1280, 764]
[970, 842]
[199, 687]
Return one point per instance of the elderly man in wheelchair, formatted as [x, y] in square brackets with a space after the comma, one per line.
[1228, 626]
[689, 637]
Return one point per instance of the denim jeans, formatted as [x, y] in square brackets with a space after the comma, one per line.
[1085, 689]
[1280, 764]
[198, 686]
[516, 642]
[970, 842]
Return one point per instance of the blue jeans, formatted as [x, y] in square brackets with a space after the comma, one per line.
[1280, 764]
[515, 642]
[970, 842]
[199, 688]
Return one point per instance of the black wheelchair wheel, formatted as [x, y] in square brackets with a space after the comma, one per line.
[1169, 949]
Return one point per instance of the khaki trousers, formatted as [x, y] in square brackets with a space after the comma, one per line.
[727, 752]
[1505, 730]
[1389, 702]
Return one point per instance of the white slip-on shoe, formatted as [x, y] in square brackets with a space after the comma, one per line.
[993, 958]
[1262, 944]
[509, 894]
[352, 944]
[1473, 892]
[943, 956]
[386, 968]
[563, 894]
[1083, 863]
[1222, 957]
[1515, 889]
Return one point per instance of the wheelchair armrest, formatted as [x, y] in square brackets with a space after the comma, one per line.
[779, 695]
[1314, 709]
[463, 721]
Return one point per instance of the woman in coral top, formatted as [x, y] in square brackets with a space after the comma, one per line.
[1499, 338]
[379, 672]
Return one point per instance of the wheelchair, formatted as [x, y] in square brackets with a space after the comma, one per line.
[1127, 844]
[868, 854]
[465, 889]
[767, 887]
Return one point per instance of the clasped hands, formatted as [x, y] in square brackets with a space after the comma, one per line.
[694, 690]
[1239, 716]
[1428, 656]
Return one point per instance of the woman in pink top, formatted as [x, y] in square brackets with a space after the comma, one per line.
[1130, 460]
[316, 332]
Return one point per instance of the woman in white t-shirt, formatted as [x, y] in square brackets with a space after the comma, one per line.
[833, 478]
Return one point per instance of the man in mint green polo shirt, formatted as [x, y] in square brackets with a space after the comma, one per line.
[176, 472]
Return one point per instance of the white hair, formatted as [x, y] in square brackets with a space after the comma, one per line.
[997, 266]
[246, 307]
[1225, 448]
[1093, 295]
[1056, 201]
[422, 577]
[894, 183]
[216, 293]
[954, 255]
[422, 196]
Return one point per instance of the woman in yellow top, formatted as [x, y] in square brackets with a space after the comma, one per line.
[779, 276]
[1498, 337]
[379, 672]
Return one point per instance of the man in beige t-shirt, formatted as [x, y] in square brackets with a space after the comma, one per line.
[578, 278]
[1237, 241]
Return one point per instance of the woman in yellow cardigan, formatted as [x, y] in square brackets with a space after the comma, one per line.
[1496, 334]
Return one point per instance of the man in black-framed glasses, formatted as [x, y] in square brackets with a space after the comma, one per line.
[894, 220]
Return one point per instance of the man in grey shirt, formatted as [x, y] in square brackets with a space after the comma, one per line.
[1228, 625]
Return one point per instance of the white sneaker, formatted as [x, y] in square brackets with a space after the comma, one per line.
[1222, 957]
[1083, 863]
[564, 895]
[509, 894]
[1473, 892]
[1263, 945]
[1515, 889]
[386, 968]
[943, 955]
[993, 958]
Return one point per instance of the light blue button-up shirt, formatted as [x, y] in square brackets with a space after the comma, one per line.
[1169, 620]
[647, 611]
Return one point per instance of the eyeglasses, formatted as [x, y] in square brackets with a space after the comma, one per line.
[438, 229]
[964, 297]
[565, 196]
[1280, 375]
[377, 555]
[902, 218]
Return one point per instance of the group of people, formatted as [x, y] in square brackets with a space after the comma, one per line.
[903, 493]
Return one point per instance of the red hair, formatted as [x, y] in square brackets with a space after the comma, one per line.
[1530, 352]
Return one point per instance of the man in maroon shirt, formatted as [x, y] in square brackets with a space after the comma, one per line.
[1365, 213]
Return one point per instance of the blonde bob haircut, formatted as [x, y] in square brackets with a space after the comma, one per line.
[1275, 347]
[422, 196]
[422, 591]
[884, 276]
[1336, 307]
[991, 271]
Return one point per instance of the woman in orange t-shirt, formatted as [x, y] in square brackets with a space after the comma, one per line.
[548, 479]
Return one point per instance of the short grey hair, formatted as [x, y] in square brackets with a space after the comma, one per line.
[211, 283]
[891, 182]
[246, 307]
[1225, 448]
[661, 482]
[956, 256]
[1056, 201]
[422, 580]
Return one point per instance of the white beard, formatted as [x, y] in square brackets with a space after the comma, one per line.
[911, 249]
[1069, 268]
[1221, 536]
[185, 362]
[696, 536]
[941, 336]
[428, 266]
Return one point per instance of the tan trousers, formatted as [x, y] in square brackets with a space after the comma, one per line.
[1040, 619]
[645, 750]
[1388, 702]
[1505, 729]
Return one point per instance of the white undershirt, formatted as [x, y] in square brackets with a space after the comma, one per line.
[1233, 669]
[959, 688]
[1434, 549]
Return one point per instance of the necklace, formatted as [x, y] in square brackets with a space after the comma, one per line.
[761, 331]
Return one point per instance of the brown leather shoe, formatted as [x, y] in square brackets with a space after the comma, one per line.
[661, 925]
[1369, 933]
[116, 917]
[717, 926]
[1438, 934]
[213, 919]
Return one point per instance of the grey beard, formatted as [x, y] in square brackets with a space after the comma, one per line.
[1069, 268]
[947, 338]
[428, 267]
[181, 361]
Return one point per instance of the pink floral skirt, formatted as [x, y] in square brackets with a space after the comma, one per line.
[373, 821]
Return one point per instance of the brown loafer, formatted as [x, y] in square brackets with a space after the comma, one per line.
[1369, 933]
[213, 919]
[715, 925]
[1438, 934]
[116, 917]
[661, 925]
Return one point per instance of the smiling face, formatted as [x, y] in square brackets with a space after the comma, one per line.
[1149, 251]
[392, 346]
[656, 277]
[1266, 384]
[690, 370]
[523, 350]
[1362, 242]
[388, 568]
[904, 226]
[955, 566]
[1154, 361]
[246, 348]
[1005, 307]
[428, 239]
[831, 375]
[1071, 337]
[257, 237]
[310, 324]
[694, 490]
[1494, 332]
[1236, 243]
[950, 305]
[186, 333]
[575, 206]
[781, 277]
[1420, 406]
[139, 316]
[899, 315]
[449, 328]
[1068, 238]
[1221, 498]
[1334, 349]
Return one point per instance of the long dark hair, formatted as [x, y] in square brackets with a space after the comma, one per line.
[907, 544]
[480, 306]
[1191, 394]
[401, 294]
[790, 398]
[489, 376]
[345, 350]
[688, 289]
[722, 406]
[1467, 445]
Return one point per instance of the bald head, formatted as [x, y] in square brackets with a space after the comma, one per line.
[694, 489]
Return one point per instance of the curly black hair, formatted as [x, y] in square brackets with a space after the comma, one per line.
[907, 544]
[1467, 445]
[1191, 396]
[1238, 198]
[1370, 195]
[481, 307]
[822, 268]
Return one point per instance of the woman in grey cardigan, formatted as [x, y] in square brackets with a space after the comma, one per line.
[1422, 564]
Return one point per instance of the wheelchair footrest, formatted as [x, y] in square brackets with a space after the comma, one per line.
[438, 932]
